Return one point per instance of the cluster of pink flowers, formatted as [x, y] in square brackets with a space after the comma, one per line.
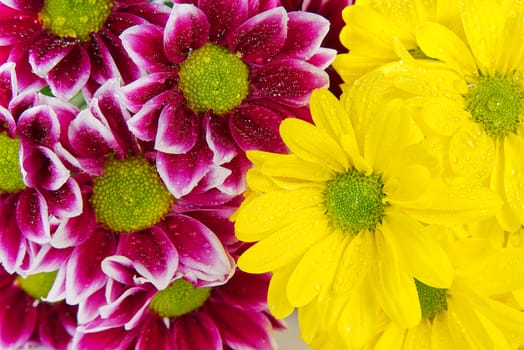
[124, 126]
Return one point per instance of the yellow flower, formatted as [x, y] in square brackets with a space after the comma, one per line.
[481, 113]
[470, 316]
[373, 26]
[348, 203]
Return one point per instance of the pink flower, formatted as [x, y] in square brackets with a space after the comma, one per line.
[244, 65]
[72, 48]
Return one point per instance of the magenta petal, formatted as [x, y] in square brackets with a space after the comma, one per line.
[305, 34]
[144, 43]
[182, 172]
[47, 52]
[260, 37]
[128, 310]
[143, 90]
[235, 183]
[223, 17]
[323, 57]
[13, 245]
[256, 128]
[196, 331]
[177, 129]
[219, 139]
[17, 318]
[187, 29]
[255, 332]
[32, 216]
[152, 255]
[66, 201]
[47, 258]
[117, 338]
[199, 249]
[51, 328]
[90, 138]
[39, 126]
[288, 81]
[70, 74]
[43, 169]
[154, 335]
[246, 291]
[89, 308]
[15, 28]
[8, 83]
[84, 275]
[24, 5]
[75, 230]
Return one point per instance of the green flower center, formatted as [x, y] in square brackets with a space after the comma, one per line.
[75, 18]
[354, 201]
[178, 299]
[10, 174]
[495, 102]
[37, 285]
[214, 78]
[432, 300]
[130, 196]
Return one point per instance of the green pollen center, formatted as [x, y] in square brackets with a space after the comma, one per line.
[432, 300]
[354, 201]
[178, 299]
[10, 174]
[37, 285]
[130, 196]
[214, 78]
[495, 102]
[75, 18]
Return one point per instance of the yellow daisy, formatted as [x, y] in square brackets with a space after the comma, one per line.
[484, 115]
[467, 316]
[346, 204]
[373, 26]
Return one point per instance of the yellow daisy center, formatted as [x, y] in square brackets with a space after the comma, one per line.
[75, 18]
[214, 78]
[495, 102]
[37, 285]
[10, 174]
[178, 299]
[432, 300]
[130, 196]
[354, 201]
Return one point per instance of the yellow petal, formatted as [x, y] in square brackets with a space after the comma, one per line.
[355, 263]
[453, 204]
[440, 335]
[406, 184]
[357, 322]
[421, 254]
[437, 41]
[312, 144]
[506, 217]
[392, 338]
[291, 166]
[471, 151]
[395, 289]
[514, 174]
[288, 243]
[268, 211]
[464, 323]
[328, 114]
[315, 270]
[418, 337]
[277, 301]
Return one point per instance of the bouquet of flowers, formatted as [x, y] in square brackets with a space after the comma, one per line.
[186, 174]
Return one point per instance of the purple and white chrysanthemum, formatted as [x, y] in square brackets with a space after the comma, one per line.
[72, 45]
[182, 317]
[27, 319]
[243, 64]
[133, 214]
[36, 189]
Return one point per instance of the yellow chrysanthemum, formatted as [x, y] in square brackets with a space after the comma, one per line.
[372, 27]
[347, 204]
[479, 114]
[471, 317]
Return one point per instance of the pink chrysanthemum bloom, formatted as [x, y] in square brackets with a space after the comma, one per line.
[27, 319]
[242, 64]
[36, 189]
[69, 44]
[182, 317]
[133, 212]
